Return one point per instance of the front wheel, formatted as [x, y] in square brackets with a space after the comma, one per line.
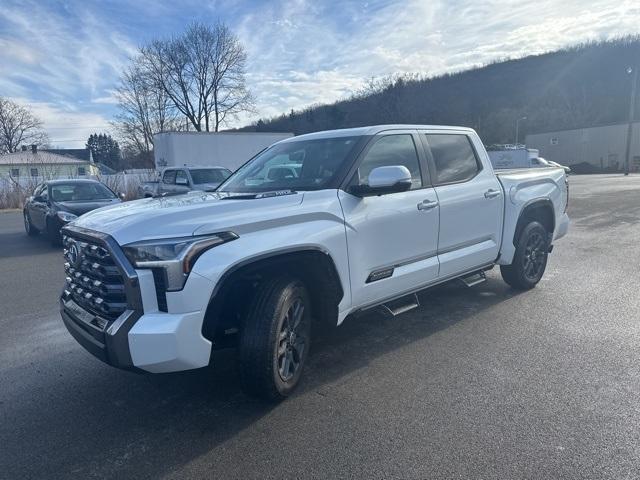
[274, 342]
[530, 259]
[28, 226]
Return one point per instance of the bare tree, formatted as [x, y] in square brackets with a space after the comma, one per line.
[202, 72]
[145, 109]
[18, 126]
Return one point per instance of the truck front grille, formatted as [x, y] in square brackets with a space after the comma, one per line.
[93, 279]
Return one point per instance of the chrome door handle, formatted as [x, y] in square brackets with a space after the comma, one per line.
[491, 193]
[427, 205]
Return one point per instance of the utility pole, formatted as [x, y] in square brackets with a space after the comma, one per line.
[632, 108]
[518, 128]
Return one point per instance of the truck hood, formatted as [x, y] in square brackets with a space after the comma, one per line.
[193, 213]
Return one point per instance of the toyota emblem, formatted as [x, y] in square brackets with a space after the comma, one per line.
[74, 254]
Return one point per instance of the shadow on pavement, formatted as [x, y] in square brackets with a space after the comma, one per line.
[94, 421]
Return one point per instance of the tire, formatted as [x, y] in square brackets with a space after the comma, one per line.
[275, 338]
[55, 237]
[530, 259]
[28, 226]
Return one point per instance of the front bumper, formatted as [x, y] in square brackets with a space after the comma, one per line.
[142, 337]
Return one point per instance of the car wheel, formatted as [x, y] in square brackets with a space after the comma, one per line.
[275, 338]
[530, 259]
[28, 226]
[55, 237]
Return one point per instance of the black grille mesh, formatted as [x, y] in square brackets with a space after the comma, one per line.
[93, 280]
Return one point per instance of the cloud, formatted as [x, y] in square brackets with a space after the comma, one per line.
[305, 52]
[65, 57]
[66, 126]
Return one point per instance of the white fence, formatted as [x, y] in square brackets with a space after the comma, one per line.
[14, 190]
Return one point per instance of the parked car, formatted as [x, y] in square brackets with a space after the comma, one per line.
[375, 215]
[184, 179]
[57, 202]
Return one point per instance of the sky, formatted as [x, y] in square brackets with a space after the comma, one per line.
[64, 58]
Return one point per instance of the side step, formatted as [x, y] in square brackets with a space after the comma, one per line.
[401, 305]
[474, 278]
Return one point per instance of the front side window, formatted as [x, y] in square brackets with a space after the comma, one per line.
[293, 165]
[391, 150]
[454, 158]
[181, 178]
[169, 177]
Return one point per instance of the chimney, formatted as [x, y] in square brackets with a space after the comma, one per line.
[24, 148]
[34, 148]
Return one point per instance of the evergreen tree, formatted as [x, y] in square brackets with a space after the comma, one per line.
[104, 149]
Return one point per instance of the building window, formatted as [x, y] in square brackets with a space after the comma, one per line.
[34, 172]
[554, 141]
[15, 172]
[81, 171]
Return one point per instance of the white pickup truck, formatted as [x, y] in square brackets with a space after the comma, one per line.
[368, 217]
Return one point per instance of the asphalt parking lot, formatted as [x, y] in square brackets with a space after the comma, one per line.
[477, 383]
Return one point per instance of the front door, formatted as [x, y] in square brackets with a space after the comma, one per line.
[392, 239]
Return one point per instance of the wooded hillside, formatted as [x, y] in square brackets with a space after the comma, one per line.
[580, 86]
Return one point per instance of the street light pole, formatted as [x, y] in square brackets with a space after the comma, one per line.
[518, 128]
[632, 108]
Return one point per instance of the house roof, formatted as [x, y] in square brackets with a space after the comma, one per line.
[40, 157]
[79, 153]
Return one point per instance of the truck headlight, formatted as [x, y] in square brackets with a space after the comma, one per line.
[66, 216]
[175, 256]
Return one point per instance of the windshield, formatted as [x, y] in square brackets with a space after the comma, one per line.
[79, 192]
[295, 165]
[209, 175]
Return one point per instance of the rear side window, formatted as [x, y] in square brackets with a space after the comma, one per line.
[454, 158]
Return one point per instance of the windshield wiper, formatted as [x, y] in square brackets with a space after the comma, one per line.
[251, 196]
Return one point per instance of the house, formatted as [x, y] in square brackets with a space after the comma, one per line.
[45, 164]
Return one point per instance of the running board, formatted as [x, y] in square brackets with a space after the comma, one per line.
[474, 278]
[401, 305]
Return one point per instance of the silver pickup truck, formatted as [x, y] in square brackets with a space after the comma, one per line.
[176, 180]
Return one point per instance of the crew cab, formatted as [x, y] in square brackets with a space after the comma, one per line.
[177, 180]
[365, 218]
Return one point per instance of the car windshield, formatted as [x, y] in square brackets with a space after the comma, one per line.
[293, 165]
[80, 192]
[209, 175]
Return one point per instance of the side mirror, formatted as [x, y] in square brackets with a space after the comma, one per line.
[121, 196]
[38, 199]
[183, 182]
[383, 180]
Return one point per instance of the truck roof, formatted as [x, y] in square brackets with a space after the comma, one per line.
[369, 130]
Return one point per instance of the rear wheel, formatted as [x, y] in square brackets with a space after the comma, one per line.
[530, 259]
[28, 226]
[275, 338]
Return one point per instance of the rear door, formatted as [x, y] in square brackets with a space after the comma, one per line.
[470, 199]
[392, 239]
